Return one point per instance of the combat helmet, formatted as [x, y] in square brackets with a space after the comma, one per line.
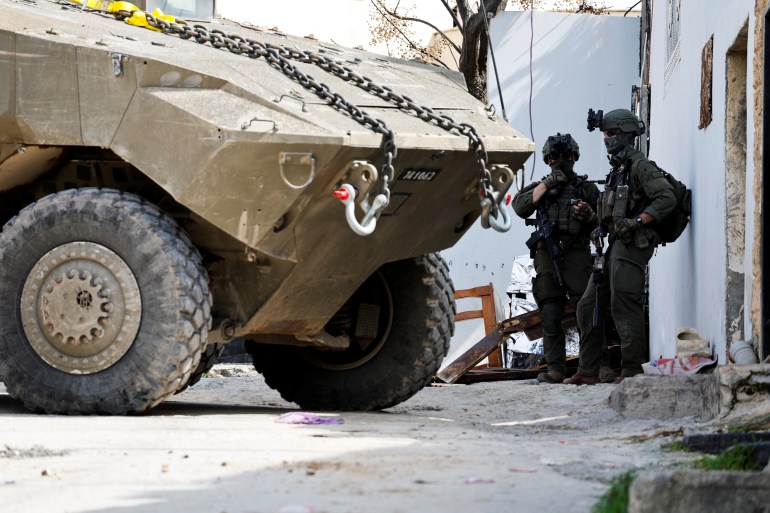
[620, 127]
[623, 120]
[558, 145]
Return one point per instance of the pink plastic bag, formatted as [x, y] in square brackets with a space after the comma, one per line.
[683, 366]
[299, 417]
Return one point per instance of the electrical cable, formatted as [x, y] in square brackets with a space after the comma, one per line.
[494, 63]
[631, 8]
[531, 44]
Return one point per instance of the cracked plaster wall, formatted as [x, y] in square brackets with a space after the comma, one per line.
[692, 279]
[735, 175]
[761, 7]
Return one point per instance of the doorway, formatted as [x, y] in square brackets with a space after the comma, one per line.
[735, 180]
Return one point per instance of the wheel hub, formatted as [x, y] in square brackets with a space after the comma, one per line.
[81, 307]
[75, 308]
[373, 307]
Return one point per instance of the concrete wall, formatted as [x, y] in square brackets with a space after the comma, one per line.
[578, 62]
[688, 278]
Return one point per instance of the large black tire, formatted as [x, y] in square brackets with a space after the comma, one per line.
[104, 304]
[416, 305]
[209, 357]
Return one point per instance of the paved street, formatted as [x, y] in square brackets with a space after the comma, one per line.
[493, 447]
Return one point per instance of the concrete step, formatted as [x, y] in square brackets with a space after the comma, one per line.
[733, 397]
[700, 491]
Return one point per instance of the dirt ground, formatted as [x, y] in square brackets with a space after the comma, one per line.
[506, 446]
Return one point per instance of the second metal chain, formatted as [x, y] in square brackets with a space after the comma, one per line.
[280, 57]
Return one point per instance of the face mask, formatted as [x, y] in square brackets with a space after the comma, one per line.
[565, 165]
[617, 142]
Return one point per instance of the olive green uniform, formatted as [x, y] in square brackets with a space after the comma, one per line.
[575, 264]
[625, 263]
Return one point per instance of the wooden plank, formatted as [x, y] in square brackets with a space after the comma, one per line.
[470, 314]
[478, 376]
[534, 333]
[483, 290]
[491, 342]
[528, 320]
[471, 357]
[490, 320]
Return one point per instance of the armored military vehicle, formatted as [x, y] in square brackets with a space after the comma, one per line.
[166, 186]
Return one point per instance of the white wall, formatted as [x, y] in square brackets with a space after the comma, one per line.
[578, 61]
[688, 278]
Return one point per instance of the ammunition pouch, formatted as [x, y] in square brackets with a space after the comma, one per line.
[620, 203]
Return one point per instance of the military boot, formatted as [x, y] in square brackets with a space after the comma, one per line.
[552, 376]
[606, 375]
[581, 379]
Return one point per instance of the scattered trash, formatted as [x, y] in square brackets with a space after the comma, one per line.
[562, 441]
[296, 508]
[45, 473]
[164, 468]
[684, 366]
[478, 480]
[298, 417]
[525, 470]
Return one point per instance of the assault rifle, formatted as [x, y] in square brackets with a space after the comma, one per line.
[544, 229]
[597, 276]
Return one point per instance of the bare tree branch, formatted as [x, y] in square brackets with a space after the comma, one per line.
[417, 48]
[381, 7]
[471, 22]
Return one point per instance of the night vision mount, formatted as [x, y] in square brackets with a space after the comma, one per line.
[595, 120]
[560, 144]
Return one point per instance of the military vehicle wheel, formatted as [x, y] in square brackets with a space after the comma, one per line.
[104, 304]
[208, 359]
[400, 322]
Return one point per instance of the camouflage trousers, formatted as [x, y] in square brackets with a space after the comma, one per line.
[575, 266]
[623, 289]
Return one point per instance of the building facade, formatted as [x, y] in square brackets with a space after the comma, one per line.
[702, 91]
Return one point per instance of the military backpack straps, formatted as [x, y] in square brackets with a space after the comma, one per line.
[671, 227]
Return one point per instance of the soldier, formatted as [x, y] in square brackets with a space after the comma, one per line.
[564, 202]
[636, 197]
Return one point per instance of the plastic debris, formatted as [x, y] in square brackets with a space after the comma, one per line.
[478, 480]
[684, 366]
[525, 470]
[296, 508]
[299, 417]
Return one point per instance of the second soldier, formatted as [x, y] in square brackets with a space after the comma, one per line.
[565, 204]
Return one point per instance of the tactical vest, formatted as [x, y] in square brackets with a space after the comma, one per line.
[560, 210]
[622, 196]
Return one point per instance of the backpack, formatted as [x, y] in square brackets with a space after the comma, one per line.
[671, 227]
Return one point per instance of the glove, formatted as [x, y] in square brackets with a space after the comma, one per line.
[584, 213]
[557, 177]
[596, 235]
[625, 227]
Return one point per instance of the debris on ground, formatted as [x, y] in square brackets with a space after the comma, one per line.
[300, 417]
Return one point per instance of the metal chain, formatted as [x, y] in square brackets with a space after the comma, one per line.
[280, 57]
